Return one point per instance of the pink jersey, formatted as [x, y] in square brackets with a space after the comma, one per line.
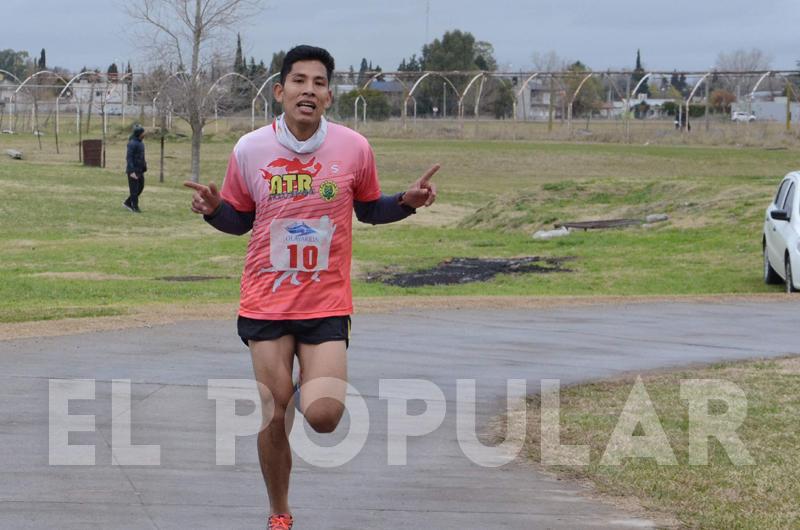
[298, 258]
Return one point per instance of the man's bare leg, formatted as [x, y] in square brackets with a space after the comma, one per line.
[322, 401]
[272, 365]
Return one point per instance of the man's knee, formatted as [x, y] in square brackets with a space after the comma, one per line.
[273, 409]
[324, 417]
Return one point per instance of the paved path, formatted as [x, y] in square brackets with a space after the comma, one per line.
[439, 488]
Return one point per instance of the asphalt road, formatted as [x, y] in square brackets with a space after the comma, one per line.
[439, 487]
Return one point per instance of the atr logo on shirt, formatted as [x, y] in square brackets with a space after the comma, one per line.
[295, 182]
[328, 190]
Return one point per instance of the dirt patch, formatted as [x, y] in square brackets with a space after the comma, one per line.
[466, 270]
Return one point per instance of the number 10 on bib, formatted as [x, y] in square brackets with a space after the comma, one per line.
[300, 244]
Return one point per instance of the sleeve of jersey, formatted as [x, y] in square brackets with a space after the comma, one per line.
[367, 186]
[234, 189]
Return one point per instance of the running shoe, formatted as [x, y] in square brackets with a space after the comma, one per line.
[280, 521]
[127, 206]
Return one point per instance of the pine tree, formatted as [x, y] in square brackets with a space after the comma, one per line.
[684, 86]
[362, 71]
[638, 75]
[239, 65]
[129, 81]
[42, 61]
[276, 62]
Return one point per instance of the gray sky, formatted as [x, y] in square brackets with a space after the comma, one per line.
[679, 34]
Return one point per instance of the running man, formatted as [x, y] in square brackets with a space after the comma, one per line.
[295, 184]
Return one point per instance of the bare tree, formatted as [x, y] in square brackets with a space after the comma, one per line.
[549, 62]
[741, 60]
[184, 31]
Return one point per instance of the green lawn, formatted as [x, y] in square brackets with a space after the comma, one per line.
[70, 249]
[721, 494]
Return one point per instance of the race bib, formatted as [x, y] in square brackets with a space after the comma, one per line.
[300, 244]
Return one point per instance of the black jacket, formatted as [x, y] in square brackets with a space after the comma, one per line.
[135, 157]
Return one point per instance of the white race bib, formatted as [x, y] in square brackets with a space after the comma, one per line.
[300, 244]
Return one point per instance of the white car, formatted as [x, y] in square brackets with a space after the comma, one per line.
[743, 117]
[781, 240]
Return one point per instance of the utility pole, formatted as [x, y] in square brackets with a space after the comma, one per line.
[444, 100]
[550, 107]
[627, 110]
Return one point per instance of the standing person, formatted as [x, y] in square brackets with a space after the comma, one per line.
[295, 183]
[135, 168]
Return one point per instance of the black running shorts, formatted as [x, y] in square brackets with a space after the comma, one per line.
[309, 331]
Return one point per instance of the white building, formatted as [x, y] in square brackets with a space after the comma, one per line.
[765, 110]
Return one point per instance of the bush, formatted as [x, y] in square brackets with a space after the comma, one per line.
[378, 107]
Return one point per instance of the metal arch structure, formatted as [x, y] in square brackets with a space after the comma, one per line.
[418, 81]
[158, 93]
[696, 86]
[355, 113]
[374, 77]
[575, 96]
[259, 93]
[758, 83]
[40, 72]
[61, 94]
[481, 76]
[519, 93]
[639, 84]
[6, 72]
[789, 82]
[77, 108]
[252, 102]
[120, 79]
[37, 74]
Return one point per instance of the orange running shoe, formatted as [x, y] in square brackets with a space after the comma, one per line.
[280, 521]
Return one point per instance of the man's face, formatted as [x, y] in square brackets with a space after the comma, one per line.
[305, 94]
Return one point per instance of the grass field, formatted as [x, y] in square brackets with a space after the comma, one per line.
[70, 249]
[717, 495]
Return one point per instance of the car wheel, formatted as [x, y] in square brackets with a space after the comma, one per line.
[790, 288]
[770, 276]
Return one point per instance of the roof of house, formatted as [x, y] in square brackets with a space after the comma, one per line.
[386, 86]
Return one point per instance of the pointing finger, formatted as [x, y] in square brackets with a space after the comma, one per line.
[194, 185]
[428, 174]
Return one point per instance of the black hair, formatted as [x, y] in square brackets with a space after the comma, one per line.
[138, 131]
[305, 52]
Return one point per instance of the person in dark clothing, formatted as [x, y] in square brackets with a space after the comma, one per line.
[135, 169]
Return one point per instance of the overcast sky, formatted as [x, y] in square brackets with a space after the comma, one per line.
[678, 34]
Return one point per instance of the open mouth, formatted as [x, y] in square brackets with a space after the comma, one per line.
[306, 106]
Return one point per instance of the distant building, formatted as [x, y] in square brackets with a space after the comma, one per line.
[7, 88]
[113, 94]
[768, 108]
